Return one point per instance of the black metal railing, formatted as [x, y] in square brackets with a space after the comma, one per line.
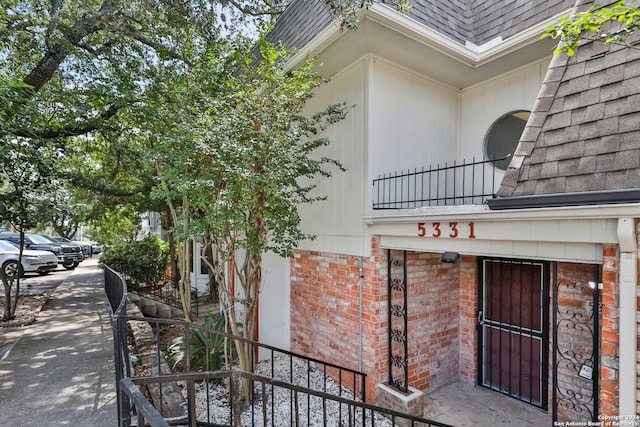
[115, 287]
[304, 382]
[270, 402]
[345, 378]
[448, 185]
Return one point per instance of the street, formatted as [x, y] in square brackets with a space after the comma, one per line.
[34, 284]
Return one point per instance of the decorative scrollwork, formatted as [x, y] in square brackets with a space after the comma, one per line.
[576, 331]
[398, 310]
[398, 361]
[397, 306]
[398, 336]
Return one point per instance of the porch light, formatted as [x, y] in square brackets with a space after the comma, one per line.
[450, 257]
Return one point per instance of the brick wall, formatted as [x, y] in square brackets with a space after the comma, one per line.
[325, 311]
[434, 293]
[325, 304]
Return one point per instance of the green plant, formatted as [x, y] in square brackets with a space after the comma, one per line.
[143, 262]
[209, 351]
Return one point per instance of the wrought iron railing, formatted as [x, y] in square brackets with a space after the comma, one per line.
[270, 402]
[296, 381]
[115, 288]
[331, 373]
[448, 185]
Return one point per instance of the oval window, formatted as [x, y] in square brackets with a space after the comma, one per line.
[503, 137]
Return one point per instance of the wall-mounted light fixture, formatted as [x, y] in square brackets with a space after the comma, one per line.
[450, 257]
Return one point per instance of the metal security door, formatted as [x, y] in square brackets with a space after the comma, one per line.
[513, 325]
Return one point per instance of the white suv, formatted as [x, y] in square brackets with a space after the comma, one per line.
[41, 262]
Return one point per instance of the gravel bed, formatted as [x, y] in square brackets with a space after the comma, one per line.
[280, 404]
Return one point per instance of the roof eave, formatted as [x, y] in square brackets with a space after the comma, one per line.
[469, 54]
[585, 198]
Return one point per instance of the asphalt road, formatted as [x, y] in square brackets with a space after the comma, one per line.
[34, 284]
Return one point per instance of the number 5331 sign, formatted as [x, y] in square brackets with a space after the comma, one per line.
[452, 230]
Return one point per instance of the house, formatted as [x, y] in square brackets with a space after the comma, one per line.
[486, 228]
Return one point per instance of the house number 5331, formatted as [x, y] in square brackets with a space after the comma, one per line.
[447, 229]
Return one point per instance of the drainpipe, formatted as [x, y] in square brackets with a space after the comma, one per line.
[360, 339]
[628, 323]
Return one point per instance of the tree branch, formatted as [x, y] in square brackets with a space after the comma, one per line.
[52, 59]
[83, 129]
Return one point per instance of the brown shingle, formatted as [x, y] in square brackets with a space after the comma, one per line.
[589, 138]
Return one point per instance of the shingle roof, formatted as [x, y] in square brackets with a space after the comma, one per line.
[480, 21]
[477, 21]
[584, 131]
[300, 23]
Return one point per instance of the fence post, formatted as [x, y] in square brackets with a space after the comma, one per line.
[235, 384]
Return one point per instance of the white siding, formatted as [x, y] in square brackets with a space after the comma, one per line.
[413, 121]
[483, 104]
[274, 311]
[337, 221]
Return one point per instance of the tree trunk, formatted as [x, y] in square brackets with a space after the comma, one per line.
[173, 263]
[8, 315]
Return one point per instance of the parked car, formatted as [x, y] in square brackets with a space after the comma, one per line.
[72, 253]
[86, 247]
[96, 248]
[41, 262]
[69, 257]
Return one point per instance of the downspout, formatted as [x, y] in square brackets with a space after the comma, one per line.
[628, 323]
[360, 308]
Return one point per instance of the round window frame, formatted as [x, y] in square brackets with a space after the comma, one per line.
[485, 144]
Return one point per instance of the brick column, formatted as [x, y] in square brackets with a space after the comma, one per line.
[610, 332]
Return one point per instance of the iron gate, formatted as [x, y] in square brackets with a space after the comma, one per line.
[513, 322]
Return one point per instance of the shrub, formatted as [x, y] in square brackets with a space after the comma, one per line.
[143, 263]
[207, 348]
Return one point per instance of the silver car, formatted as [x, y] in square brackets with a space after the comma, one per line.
[41, 262]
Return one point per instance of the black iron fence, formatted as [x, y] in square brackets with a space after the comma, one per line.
[270, 402]
[448, 185]
[282, 362]
[115, 287]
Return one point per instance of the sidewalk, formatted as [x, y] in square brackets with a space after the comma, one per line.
[60, 372]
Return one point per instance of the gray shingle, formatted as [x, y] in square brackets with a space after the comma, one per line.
[460, 20]
[552, 185]
[629, 159]
[616, 107]
[600, 148]
[587, 165]
[300, 23]
[632, 69]
[629, 122]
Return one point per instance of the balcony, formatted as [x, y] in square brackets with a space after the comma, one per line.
[449, 185]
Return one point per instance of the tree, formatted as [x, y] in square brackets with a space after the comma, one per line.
[26, 172]
[242, 179]
[612, 24]
[85, 78]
